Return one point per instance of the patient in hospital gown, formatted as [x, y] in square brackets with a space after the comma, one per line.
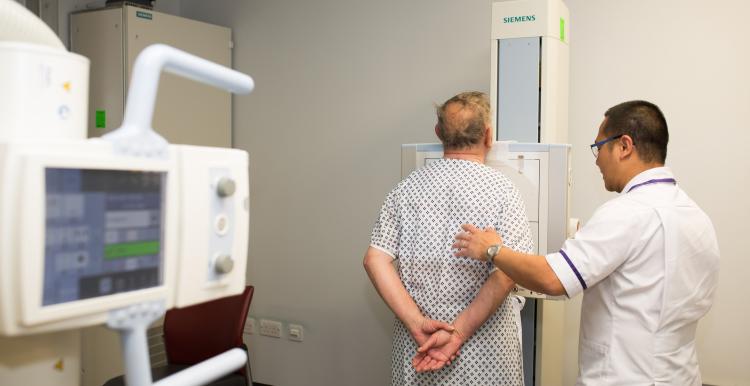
[416, 226]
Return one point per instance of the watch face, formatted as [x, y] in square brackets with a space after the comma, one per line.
[491, 252]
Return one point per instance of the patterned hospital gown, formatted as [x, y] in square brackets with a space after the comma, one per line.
[417, 224]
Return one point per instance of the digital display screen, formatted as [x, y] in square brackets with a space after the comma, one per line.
[104, 232]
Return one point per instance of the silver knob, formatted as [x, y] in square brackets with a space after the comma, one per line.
[225, 187]
[223, 264]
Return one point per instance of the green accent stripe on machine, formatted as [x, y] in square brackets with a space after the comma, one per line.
[562, 29]
[138, 248]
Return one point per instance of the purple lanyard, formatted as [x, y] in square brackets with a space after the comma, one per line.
[656, 181]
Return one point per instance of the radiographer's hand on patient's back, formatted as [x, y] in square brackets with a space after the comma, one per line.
[473, 242]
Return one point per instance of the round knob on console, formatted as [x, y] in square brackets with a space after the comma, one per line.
[223, 264]
[225, 187]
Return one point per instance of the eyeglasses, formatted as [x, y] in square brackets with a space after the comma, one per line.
[598, 145]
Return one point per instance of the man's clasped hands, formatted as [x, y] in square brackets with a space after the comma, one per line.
[438, 344]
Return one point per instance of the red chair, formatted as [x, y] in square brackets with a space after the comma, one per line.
[196, 333]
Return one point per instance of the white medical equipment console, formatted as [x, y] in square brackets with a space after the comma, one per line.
[541, 172]
[85, 230]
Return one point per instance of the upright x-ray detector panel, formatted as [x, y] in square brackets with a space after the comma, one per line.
[529, 95]
[541, 173]
[529, 77]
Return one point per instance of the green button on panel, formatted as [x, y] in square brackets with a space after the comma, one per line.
[101, 119]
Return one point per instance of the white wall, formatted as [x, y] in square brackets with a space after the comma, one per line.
[341, 84]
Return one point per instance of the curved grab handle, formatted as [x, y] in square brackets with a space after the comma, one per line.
[136, 135]
[207, 371]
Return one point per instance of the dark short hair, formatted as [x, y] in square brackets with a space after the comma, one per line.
[458, 132]
[645, 124]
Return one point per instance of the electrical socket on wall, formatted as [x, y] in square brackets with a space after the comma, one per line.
[270, 328]
[296, 332]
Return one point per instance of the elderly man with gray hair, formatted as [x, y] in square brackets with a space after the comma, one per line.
[443, 304]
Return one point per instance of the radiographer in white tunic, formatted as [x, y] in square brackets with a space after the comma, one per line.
[647, 261]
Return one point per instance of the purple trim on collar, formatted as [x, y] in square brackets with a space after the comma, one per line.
[654, 181]
[573, 267]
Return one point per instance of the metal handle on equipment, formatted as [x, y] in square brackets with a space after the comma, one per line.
[135, 136]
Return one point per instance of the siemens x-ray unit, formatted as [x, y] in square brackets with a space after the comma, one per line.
[529, 47]
[529, 76]
[108, 230]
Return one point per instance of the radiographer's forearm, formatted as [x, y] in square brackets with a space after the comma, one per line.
[490, 296]
[530, 271]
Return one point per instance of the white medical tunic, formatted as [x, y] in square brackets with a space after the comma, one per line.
[648, 262]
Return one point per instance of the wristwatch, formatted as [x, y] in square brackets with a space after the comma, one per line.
[492, 252]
